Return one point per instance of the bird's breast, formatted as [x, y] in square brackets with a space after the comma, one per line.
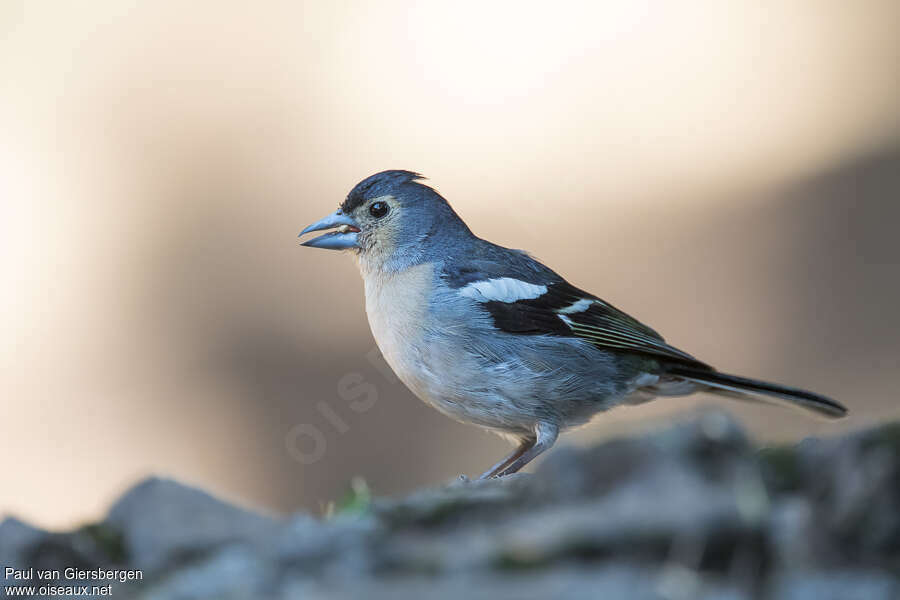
[432, 345]
[396, 305]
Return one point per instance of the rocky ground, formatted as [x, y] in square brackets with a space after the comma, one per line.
[692, 512]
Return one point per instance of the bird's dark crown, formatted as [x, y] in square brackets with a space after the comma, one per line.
[379, 184]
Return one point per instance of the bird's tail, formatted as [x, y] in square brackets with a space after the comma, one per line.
[742, 387]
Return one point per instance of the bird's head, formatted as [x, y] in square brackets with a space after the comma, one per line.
[392, 221]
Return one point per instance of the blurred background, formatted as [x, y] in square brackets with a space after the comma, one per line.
[727, 172]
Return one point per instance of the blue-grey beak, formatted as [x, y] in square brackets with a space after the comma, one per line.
[345, 237]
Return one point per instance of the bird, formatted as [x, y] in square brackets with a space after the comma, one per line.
[490, 336]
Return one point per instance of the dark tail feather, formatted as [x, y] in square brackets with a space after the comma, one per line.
[741, 386]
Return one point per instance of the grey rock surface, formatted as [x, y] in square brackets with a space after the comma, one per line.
[162, 522]
[694, 511]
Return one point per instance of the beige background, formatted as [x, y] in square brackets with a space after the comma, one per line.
[727, 172]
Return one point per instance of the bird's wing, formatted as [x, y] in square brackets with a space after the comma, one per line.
[524, 297]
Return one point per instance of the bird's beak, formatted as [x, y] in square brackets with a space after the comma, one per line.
[341, 239]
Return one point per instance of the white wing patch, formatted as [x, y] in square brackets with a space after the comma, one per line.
[645, 380]
[502, 289]
[576, 307]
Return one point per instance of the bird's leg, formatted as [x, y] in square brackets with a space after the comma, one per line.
[546, 436]
[523, 446]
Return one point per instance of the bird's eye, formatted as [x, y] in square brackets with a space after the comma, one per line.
[378, 209]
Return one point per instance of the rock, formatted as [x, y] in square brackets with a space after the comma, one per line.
[162, 522]
[693, 511]
[22, 544]
[853, 484]
[231, 573]
[17, 539]
[342, 545]
[841, 585]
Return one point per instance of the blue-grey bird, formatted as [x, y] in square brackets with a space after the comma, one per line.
[490, 336]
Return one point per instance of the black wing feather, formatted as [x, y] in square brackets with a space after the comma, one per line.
[601, 324]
